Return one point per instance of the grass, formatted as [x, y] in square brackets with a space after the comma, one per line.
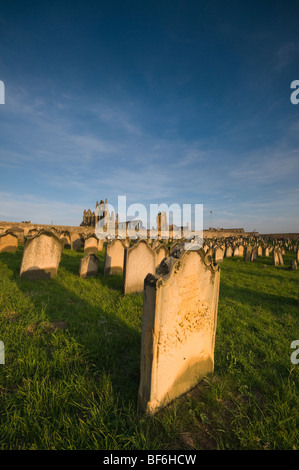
[72, 354]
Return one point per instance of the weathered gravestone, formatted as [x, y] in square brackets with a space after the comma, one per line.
[41, 256]
[241, 250]
[236, 251]
[91, 244]
[114, 258]
[161, 252]
[254, 253]
[179, 320]
[76, 241]
[9, 242]
[219, 254]
[277, 257]
[139, 260]
[19, 232]
[260, 250]
[65, 236]
[248, 253]
[89, 265]
[228, 252]
[100, 244]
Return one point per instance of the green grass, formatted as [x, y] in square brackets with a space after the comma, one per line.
[72, 354]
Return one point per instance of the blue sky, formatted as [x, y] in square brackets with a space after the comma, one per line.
[183, 102]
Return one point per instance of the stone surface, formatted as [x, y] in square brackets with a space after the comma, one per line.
[114, 258]
[91, 244]
[161, 252]
[76, 241]
[9, 242]
[180, 306]
[138, 262]
[41, 256]
[89, 265]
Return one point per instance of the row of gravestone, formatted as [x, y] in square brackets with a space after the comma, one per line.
[250, 252]
[180, 303]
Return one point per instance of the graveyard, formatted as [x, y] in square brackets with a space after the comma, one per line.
[108, 349]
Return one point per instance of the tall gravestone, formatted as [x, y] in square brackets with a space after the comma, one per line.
[179, 321]
[41, 256]
[91, 244]
[228, 252]
[139, 260]
[114, 258]
[241, 250]
[219, 254]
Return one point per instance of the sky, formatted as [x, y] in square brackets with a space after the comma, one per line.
[164, 102]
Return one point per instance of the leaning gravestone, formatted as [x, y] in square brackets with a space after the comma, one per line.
[89, 265]
[179, 320]
[139, 260]
[41, 256]
[9, 242]
[114, 258]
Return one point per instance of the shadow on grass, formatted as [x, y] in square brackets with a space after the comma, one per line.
[96, 315]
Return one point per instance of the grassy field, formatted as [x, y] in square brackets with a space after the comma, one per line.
[72, 355]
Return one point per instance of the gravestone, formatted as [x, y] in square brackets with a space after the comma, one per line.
[248, 253]
[76, 241]
[241, 250]
[254, 253]
[236, 251]
[180, 306]
[91, 244]
[219, 254]
[277, 257]
[139, 260]
[260, 250]
[89, 265]
[41, 256]
[100, 244]
[161, 252]
[9, 243]
[65, 236]
[114, 258]
[228, 252]
[19, 232]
